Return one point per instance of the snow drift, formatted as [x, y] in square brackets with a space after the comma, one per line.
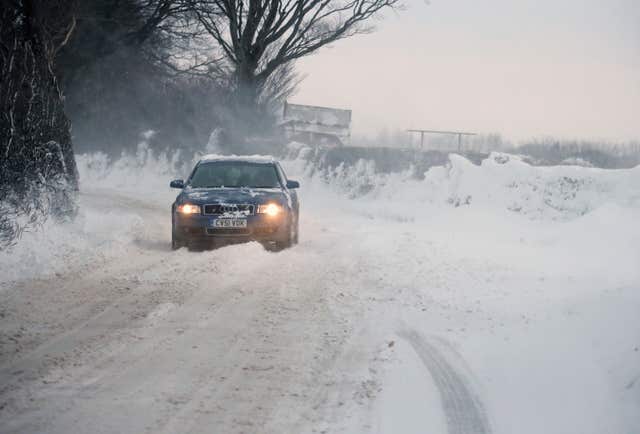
[502, 183]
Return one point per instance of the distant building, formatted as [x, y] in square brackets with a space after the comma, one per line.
[317, 126]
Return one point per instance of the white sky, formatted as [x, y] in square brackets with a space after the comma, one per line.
[523, 68]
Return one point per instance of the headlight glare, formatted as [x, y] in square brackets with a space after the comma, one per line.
[270, 209]
[188, 208]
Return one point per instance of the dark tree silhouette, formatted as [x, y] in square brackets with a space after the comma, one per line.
[38, 174]
[259, 38]
[106, 27]
[117, 77]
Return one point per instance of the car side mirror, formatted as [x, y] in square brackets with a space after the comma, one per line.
[293, 184]
[177, 183]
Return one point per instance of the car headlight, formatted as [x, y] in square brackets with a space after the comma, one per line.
[270, 209]
[188, 208]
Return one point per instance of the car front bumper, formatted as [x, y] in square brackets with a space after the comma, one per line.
[260, 227]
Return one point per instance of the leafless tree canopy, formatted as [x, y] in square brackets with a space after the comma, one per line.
[259, 37]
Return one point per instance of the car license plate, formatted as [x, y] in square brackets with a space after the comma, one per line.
[229, 223]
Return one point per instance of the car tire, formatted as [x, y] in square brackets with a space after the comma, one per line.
[297, 231]
[176, 242]
[289, 238]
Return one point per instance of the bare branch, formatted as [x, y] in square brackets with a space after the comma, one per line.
[259, 37]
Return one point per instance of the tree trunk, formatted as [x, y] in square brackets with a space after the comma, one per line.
[38, 174]
[247, 89]
[251, 111]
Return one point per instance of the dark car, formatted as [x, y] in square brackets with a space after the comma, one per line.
[235, 199]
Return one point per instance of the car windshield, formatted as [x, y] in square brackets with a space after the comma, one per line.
[235, 174]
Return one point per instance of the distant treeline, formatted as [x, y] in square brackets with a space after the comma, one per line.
[603, 155]
[548, 151]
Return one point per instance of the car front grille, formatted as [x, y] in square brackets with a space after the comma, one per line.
[229, 208]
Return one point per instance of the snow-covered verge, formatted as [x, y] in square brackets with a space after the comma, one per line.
[528, 278]
[500, 182]
[98, 232]
[495, 298]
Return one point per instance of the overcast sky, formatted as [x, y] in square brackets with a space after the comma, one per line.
[523, 68]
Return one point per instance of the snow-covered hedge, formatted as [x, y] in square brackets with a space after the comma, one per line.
[502, 182]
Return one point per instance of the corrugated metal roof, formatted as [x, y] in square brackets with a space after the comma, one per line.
[317, 115]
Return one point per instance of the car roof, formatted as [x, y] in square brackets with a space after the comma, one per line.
[256, 159]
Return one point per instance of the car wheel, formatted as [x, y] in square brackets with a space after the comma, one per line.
[288, 239]
[176, 242]
[297, 231]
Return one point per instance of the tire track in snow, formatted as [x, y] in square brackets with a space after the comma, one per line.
[464, 412]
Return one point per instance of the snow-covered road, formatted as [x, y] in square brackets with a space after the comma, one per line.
[382, 320]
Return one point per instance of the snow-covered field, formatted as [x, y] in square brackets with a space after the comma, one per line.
[500, 298]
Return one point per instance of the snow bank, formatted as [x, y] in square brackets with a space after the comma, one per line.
[530, 272]
[95, 235]
[57, 247]
[501, 183]
[146, 172]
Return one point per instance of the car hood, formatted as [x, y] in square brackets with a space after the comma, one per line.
[201, 196]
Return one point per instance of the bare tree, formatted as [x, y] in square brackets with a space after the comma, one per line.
[106, 27]
[37, 167]
[260, 38]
